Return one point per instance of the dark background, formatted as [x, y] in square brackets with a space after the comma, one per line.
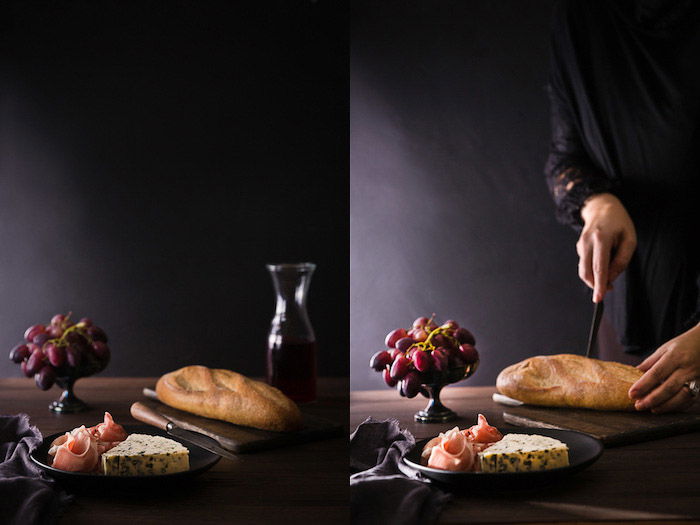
[449, 208]
[155, 155]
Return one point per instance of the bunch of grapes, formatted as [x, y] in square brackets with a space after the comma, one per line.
[61, 349]
[423, 353]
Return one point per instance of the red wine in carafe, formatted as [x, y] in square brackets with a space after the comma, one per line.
[291, 349]
[291, 367]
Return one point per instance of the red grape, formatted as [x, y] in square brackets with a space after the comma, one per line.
[449, 350]
[454, 361]
[394, 353]
[386, 374]
[465, 336]
[422, 361]
[45, 377]
[439, 360]
[411, 384]
[451, 344]
[23, 366]
[469, 353]
[390, 340]
[75, 337]
[443, 350]
[399, 389]
[54, 331]
[97, 333]
[56, 354]
[378, 360]
[418, 334]
[40, 339]
[73, 356]
[85, 322]
[420, 322]
[33, 331]
[450, 325]
[58, 319]
[19, 353]
[439, 340]
[400, 367]
[35, 362]
[101, 350]
[404, 343]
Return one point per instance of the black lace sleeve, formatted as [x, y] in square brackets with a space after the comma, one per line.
[571, 176]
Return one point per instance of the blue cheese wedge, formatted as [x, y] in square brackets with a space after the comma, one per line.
[143, 455]
[524, 453]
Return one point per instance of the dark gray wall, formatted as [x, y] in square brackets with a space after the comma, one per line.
[449, 209]
[155, 155]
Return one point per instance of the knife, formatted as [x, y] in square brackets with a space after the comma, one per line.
[148, 415]
[595, 324]
[505, 400]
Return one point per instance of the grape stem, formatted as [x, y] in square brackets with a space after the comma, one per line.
[61, 341]
[427, 345]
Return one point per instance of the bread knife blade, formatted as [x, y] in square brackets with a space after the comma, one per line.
[148, 415]
[595, 324]
[505, 400]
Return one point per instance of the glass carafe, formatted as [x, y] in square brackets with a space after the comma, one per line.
[291, 350]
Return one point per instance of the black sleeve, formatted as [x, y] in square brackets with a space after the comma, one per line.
[571, 175]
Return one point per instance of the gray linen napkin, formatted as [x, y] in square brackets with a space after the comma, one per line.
[383, 489]
[27, 495]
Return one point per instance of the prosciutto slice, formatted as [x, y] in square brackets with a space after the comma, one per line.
[458, 449]
[482, 432]
[108, 431]
[77, 451]
[453, 452]
[428, 448]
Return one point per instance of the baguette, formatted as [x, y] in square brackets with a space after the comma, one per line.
[228, 396]
[568, 380]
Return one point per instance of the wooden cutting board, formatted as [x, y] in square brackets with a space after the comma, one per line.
[612, 428]
[241, 439]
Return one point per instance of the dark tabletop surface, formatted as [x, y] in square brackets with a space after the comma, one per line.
[300, 483]
[651, 482]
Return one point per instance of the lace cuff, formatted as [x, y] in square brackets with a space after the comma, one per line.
[571, 186]
[571, 175]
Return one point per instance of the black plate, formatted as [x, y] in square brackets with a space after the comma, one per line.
[200, 460]
[583, 451]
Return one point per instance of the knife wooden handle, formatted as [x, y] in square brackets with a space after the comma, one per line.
[148, 415]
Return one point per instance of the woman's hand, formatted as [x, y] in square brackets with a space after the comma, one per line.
[606, 244]
[666, 371]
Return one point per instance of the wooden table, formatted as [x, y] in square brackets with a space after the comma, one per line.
[302, 483]
[651, 482]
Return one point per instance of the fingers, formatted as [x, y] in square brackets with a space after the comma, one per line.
[663, 393]
[622, 258]
[661, 388]
[653, 377]
[585, 266]
[601, 264]
[594, 260]
[651, 360]
[679, 402]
